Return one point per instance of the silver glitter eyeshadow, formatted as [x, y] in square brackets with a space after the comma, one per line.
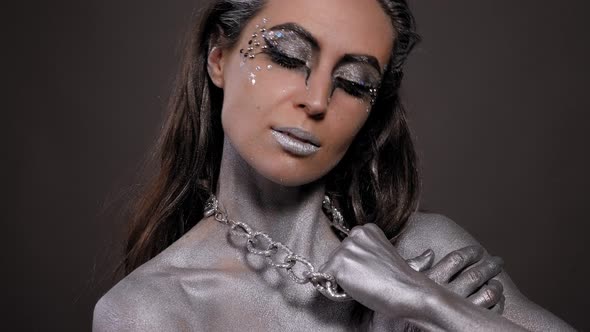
[290, 43]
[363, 75]
[359, 73]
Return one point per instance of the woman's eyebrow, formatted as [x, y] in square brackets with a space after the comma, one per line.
[347, 58]
[300, 31]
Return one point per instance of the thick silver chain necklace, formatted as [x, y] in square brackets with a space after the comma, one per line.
[260, 243]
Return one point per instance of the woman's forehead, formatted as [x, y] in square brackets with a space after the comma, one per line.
[339, 26]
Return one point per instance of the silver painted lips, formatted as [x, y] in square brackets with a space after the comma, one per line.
[296, 141]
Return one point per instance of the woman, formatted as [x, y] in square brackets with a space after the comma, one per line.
[279, 104]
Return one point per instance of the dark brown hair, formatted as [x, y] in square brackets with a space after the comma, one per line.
[376, 181]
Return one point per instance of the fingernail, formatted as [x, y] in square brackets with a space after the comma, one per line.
[499, 260]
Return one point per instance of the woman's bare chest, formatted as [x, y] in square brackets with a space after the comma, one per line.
[232, 300]
[225, 287]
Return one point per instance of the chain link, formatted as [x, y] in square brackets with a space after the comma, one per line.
[260, 243]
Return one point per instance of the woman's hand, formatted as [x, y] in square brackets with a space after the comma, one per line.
[369, 269]
[469, 274]
[368, 249]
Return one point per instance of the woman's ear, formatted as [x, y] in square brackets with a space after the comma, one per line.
[215, 66]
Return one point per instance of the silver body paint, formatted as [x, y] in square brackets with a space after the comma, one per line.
[206, 281]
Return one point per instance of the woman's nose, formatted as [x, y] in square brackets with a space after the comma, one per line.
[318, 89]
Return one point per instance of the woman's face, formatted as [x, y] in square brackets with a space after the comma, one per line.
[299, 83]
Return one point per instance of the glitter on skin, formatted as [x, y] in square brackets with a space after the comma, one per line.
[291, 41]
[250, 52]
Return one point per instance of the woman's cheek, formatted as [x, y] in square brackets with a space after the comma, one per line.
[348, 119]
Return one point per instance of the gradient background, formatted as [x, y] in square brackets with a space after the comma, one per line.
[497, 101]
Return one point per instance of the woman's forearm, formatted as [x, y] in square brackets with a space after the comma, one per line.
[443, 310]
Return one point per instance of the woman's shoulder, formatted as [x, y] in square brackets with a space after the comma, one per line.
[443, 235]
[432, 231]
[133, 304]
[152, 296]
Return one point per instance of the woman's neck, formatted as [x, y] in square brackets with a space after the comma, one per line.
[291, 215]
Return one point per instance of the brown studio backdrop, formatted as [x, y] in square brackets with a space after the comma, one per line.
[497, 100]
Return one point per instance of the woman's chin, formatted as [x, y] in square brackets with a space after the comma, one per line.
[290, 177]
[291, 180]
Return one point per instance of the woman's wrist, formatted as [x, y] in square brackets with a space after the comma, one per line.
[433, 310]
[418, 305]
[442, 310]
[433, 307]
[426, 311]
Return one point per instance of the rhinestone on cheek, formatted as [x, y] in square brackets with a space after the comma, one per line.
[254, 43]
[254, 47]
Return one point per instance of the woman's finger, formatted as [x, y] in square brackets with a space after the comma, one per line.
[454, 262]
[422, 262]
[489, 295]
[499, 308]
[470, 280]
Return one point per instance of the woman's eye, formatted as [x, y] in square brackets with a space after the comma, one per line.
[353, 88]
[284, 60]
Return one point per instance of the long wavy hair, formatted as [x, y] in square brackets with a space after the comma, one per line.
[376, 181]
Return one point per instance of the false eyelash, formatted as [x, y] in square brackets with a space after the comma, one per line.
[284, 60]
[353, 88]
